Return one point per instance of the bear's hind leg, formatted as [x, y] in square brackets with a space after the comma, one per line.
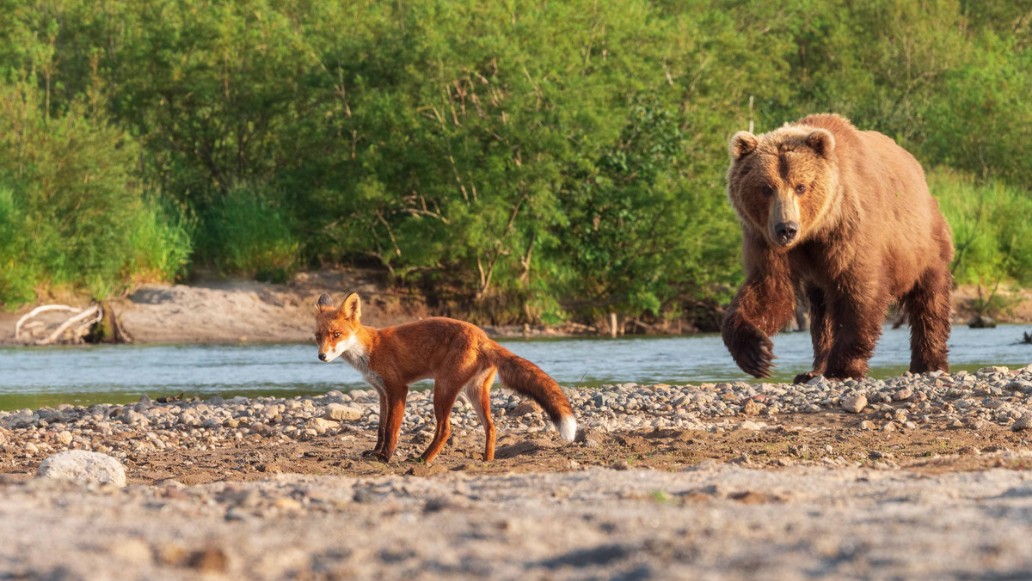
[928, 308]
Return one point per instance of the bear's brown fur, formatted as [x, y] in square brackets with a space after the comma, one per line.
[847, 215]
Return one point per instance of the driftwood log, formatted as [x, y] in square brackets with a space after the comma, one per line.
[77, 326]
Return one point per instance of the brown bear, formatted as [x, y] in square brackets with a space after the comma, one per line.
[846, 216]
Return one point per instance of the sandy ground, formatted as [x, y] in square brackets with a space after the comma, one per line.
[714, 521]
[812, 497]
[233, 489]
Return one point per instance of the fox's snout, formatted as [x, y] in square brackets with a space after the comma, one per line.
[323, 357]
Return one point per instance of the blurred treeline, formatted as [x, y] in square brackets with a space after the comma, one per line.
[513, 160]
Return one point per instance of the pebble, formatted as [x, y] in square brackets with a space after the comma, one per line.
[343, 413]
[992, 396]
[854, 404]
[1022, 423]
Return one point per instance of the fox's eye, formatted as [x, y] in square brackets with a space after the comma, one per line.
[768, 191]
[336, 334]
[800, 189]
[318, 336]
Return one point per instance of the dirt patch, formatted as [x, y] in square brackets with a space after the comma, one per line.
[805, 439]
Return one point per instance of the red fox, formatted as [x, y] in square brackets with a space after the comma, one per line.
[457, 355]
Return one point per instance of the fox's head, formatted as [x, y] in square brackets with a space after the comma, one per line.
[335, 327]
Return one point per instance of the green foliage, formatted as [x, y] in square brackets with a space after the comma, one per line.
[16, 274]
[517, 161]
[245, 233]
[992, 232]
[72, 212]
[638, 239]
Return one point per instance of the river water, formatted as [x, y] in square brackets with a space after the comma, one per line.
[35, 377]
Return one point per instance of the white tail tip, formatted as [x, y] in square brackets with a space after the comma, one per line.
[568, 428]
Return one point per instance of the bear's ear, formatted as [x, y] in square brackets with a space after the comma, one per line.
[821, 141]
[742, 144]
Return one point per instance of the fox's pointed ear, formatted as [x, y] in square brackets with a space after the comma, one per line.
[351, 308]
[325, 304]
[742, 144]
[821, 141]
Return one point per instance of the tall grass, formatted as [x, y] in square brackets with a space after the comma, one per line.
[16, 274]
[246, 233]
[992, 228]
[72, 211]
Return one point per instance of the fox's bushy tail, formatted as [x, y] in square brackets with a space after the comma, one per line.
[528, 379]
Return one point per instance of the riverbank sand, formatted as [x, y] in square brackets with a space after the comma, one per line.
[914, 477]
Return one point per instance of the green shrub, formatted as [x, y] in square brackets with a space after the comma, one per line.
[247, 233]
[73, 211]
[16, 277]
[162, 236]
[992, 233]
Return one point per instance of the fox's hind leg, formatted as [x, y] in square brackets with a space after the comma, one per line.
[444, 398]
[478, 391]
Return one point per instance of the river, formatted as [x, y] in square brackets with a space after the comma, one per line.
[47, 376]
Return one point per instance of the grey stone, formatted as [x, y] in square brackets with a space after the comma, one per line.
[1022, 423]
[854, 404]
[340, 412]
[83, 467]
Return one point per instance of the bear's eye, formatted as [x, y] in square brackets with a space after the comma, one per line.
[768, 191]
[800, 189]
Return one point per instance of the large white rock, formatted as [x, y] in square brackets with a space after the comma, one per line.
[339, 412]
[83, 467]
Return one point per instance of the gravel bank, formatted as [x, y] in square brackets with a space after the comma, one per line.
[993, 395]
[807, 483]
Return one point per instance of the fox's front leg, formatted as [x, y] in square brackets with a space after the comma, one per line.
[391, 423]
[764, 304]
[380, 427]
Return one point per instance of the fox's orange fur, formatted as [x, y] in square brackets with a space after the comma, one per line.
[458, 356]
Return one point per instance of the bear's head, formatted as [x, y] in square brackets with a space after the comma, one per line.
[782, 184]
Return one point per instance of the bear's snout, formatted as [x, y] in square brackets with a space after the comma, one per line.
[786, 231]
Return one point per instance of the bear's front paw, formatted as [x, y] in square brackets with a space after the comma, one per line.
[752, 351]
[805, 377]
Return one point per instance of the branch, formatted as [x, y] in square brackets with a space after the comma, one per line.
[95, 311]
[37, 311]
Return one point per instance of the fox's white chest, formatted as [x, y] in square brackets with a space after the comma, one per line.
[357, 357]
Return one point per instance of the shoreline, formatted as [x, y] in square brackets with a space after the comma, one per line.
[247, 311]
[920, 476]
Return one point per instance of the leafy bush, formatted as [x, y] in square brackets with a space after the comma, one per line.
[16, 274]
[519, 160]
[73, 214]
[992, 233]
[246, 233]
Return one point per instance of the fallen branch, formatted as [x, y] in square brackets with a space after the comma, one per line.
[94, 311]
[38, 310]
